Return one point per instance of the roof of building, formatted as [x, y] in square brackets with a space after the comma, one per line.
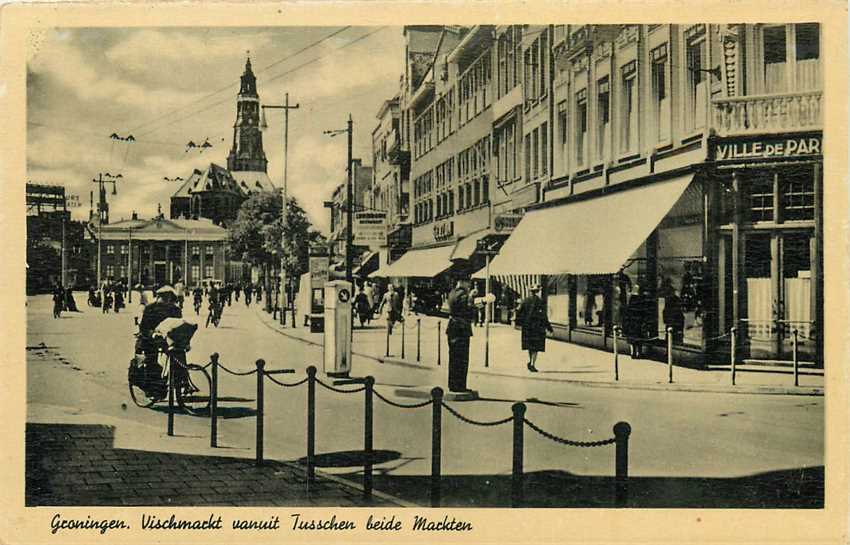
[252, 181]
[186, 188]
[163, 229]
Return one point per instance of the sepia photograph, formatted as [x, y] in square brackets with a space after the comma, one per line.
[419, 268]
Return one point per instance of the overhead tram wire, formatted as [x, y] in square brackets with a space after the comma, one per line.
[98, 135]
[232, 85]
[285, 73]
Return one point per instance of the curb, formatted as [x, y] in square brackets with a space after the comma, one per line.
[652, 386]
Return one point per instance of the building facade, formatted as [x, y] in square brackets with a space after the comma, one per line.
[691, 157]
[684, 161]
[361, 193]
[164, 251]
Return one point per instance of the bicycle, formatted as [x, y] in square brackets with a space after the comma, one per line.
[192, 384]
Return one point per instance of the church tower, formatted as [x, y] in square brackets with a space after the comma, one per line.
[247, 152]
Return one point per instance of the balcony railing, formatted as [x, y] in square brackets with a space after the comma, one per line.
[760, 114]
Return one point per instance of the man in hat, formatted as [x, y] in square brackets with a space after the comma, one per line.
[461, 315]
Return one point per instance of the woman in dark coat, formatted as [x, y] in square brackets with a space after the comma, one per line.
[634, 318]
[535, 323]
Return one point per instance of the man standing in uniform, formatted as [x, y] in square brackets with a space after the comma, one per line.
[462, 313]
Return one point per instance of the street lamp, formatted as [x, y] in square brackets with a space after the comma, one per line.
[102, 179]
[264, 125]
[349, 196]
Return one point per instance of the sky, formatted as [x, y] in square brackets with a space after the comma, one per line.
[169, 86]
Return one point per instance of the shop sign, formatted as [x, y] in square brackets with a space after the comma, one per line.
[505, 223]
[370, 229]
[319, 266]
[444, 230]
[768, 147]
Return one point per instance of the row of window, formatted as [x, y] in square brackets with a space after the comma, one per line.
[123, 249]
[440, 119]
[122, 271]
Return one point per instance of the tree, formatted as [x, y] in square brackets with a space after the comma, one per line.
[259, 236]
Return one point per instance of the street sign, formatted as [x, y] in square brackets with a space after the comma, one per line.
[344, 295]
[370, 229]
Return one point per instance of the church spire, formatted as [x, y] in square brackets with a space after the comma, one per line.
[247, 151]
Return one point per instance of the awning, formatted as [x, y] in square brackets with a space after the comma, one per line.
[426, 263]
[467, 245]
[595, 236]
[369, 263]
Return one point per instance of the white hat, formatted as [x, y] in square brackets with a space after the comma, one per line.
[166, 289]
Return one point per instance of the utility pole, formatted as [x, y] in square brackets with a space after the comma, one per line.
[283, 293]
[349, 205]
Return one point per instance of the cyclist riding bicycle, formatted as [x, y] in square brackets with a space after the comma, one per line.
[147, 344]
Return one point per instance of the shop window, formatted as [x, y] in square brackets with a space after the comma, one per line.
[603, 108]
[760, 198]
[590, 301]
[629, 119]
[660, 94]
[208, 271]
[110, 271]
[581, 127]
[798, 200]
[123, 249]
[196, 272]
[110, 248]
[695, 98]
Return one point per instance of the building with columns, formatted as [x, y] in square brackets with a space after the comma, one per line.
[163, 251]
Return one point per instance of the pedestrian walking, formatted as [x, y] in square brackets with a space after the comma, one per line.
[535, 323]
[118, 300]
[369, 290]
[362, 307]
[237, 291]
[248, 293]
[393, 302]
[70, 303]
[58, 300]
[458, 331]
[674, 315]
[107, 300]
[633, 320]
[181, 295]
[197, 296]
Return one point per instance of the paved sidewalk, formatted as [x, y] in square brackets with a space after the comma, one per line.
[77, 464]
[562, 361]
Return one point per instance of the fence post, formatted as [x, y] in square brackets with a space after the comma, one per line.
[170, 398]
[670, 355]
[403, 327]
[439, 352]
[796, 357]
[367, 438]
[733, 351]
[436, 443]
[214, 401]
[311, 423]
[622, 430]
[387, 355]
[418, 340]
[517, 476]
[260, 376]
[616, 354]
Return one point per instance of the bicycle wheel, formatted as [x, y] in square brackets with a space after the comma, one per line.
[135, 380]
[193, 393]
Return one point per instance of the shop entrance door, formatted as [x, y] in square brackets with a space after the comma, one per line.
[777, 273]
